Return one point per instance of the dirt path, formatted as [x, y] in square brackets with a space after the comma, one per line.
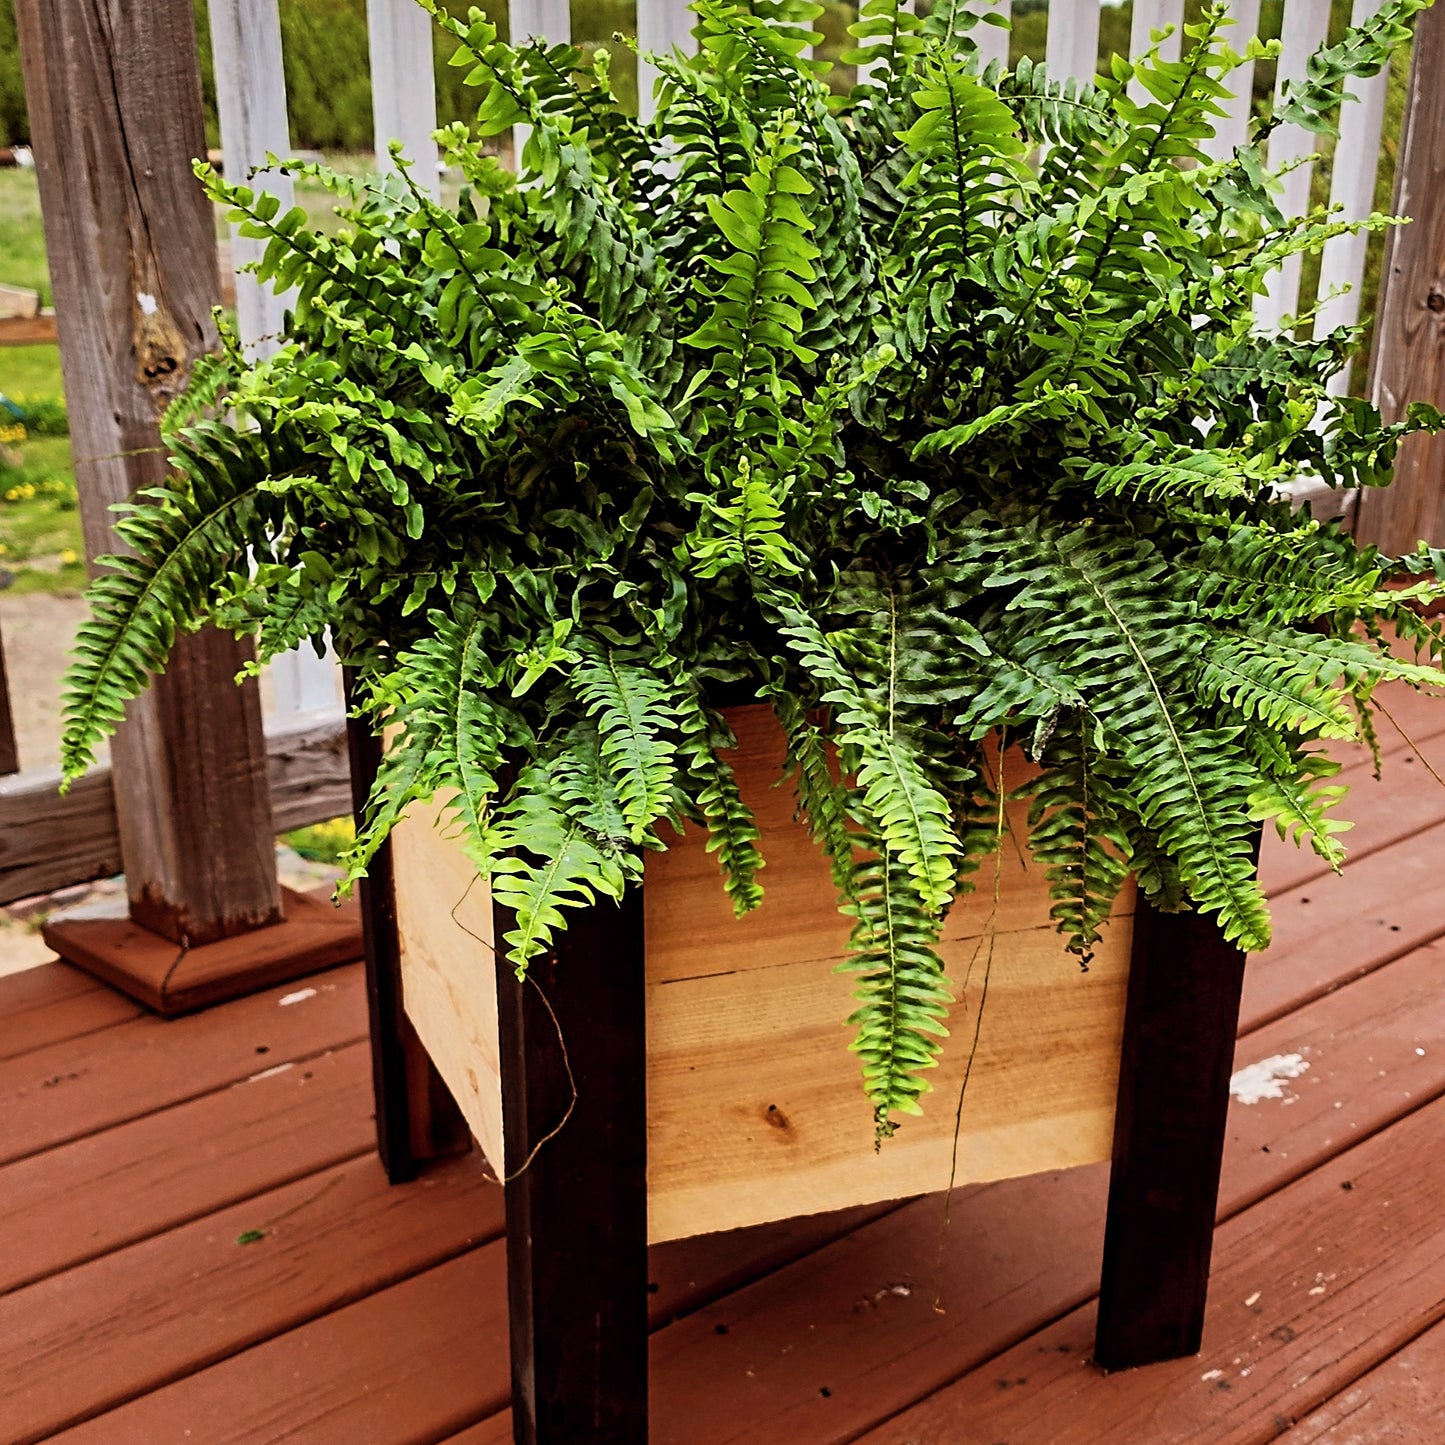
[38, 629]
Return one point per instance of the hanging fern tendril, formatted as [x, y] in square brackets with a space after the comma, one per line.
[929, 415]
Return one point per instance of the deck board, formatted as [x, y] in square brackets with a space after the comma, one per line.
[135, 1318]
[98, 1194]
[400, 1348]
[176, 1302]
[82, 1085]
[1337, 928]
[1400, 1402]
[1310, 1289]
[53, 1003]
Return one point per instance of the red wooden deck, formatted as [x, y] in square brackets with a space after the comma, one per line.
[196, 1243]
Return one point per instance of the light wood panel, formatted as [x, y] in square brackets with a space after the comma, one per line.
[449, 984]
[755, 1103]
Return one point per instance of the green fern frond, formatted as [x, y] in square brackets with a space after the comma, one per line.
[635, 716]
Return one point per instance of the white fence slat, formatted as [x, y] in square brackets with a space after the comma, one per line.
[1352, 190]
[1149, 16]
[662, 26]
[302, 682]
[1073, 39]
[992, 40]
[549, 20]
[403, 86]
[1305, 25]
[251, 100]
[1233, 130]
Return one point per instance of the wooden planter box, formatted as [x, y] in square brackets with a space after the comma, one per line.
[714, 1087]
[755, 1109]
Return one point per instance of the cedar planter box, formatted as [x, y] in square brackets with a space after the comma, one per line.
[755, 1109]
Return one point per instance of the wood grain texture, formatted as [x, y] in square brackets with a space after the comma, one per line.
[50, 840]
[444, 929]
[420, 1358]
[1408, 363]
[1312, 1288]
[68, 1090]
[102, 1193]
[1400, 1402]
[76, 1005]
[114, 99]
[179, 1301]
[172, 979]
[1372, 1052]
[1343, 926]
[754, 1101]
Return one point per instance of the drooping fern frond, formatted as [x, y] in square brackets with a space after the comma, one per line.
[185, 539]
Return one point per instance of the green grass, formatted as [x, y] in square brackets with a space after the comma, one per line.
[323, 842]
[27, 372]
[22, 251]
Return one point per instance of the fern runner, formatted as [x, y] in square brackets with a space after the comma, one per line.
[932, 415]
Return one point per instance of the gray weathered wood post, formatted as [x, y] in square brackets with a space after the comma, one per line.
[1409, 356]
[115, 109]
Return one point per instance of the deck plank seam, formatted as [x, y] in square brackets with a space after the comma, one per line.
[172, 1103]
[1314, 995]
[1284, 1181]
[240, 1346]
[312, 1168]
[10, 1058]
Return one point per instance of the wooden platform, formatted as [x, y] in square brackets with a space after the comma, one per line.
[199, 1246]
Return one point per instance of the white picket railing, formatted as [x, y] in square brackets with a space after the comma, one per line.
[246, 37]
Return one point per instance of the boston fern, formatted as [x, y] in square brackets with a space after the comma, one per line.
[932, 416]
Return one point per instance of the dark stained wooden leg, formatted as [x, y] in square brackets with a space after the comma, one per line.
[9, 753]
[1179, 1031]
[416, 1116]
[577, 1201]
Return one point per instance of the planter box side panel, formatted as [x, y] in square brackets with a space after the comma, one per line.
[448, 977]
[755, 1103]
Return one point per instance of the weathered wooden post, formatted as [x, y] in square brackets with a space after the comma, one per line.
[115, 109]
[1409, 356]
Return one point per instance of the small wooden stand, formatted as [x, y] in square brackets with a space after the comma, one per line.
[173, 979]
[576, 1196]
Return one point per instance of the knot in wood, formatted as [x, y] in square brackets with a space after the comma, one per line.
[161, 354]
[1436, 301]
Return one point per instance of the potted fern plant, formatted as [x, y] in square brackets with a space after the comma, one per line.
[919, 439]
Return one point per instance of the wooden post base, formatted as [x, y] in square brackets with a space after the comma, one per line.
[173, 980]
